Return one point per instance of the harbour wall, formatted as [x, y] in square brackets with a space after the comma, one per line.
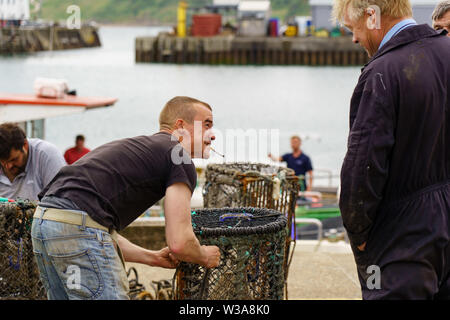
[232, 50]
[32, 39]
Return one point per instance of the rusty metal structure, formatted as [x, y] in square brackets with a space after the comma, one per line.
[255, 185]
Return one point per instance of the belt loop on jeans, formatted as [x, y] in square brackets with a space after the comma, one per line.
[42, 214]
[83, 221]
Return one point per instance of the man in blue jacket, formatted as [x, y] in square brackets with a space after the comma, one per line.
[395, 179]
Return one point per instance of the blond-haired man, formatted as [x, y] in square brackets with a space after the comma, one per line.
[74, 231]
[441, 16]
[395, 179]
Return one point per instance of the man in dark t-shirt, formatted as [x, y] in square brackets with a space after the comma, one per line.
[121, 179]
[83, 207]
[299, 162]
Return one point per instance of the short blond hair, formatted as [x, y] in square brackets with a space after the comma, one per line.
[179, 108]
[394, 9]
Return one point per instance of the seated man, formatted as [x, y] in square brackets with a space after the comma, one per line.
[299, 162]
[26, 165]
[441, 16]
[74, 228]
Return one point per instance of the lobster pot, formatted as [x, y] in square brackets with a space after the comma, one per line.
[252, 247]
[250, 185]
[19, 275]
[253, 185]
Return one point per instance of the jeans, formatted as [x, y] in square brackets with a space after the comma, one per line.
[78, 263]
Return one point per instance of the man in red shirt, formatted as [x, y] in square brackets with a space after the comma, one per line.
[75, 153]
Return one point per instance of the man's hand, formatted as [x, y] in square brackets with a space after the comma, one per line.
[212, 254]
[362, 247]
[273, 158]
[133, 253]
[164, 259]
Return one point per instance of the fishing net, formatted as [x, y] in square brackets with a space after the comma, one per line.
[252, 247]
[19, 275]
[255, 185]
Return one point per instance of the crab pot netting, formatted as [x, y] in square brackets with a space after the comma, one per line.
[254, 185]
[19, 275]
[252, 247]
[250, 185]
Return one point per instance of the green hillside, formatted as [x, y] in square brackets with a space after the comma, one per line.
[147, 11]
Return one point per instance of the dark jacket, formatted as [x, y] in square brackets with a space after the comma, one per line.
[399, 140]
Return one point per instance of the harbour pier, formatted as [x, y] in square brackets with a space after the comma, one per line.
[46, 38]
[235, 50]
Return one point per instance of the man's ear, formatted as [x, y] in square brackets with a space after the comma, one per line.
[373, 17]
[179, 124]
[25, 145]
[178, 129]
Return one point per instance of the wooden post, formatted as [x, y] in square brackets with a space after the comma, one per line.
[313, 58]
[353, 58]
[306, 58]
[329, 58]
[321, 55]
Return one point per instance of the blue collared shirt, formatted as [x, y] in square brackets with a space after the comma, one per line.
[402, 25]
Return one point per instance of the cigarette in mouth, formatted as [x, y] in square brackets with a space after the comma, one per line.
[223, 156]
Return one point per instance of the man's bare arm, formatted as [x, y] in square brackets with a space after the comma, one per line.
[271, 156]
[180, 236]
[134, 253]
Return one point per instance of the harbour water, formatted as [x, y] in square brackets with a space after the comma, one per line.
[310, 101]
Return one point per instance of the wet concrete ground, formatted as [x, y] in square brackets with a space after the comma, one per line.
[319, 271]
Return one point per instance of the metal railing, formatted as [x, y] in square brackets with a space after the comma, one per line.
[314, 221]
